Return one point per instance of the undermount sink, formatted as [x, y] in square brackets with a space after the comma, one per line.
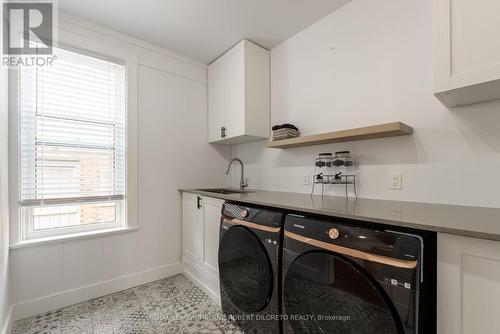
[225, 191]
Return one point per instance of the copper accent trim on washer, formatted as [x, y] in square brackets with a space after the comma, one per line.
[353, 252]
[252, 225]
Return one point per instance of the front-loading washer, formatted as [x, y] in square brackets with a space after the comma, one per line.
[249, 266]
[351, 277]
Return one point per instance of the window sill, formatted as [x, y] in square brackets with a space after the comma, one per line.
[70, 237]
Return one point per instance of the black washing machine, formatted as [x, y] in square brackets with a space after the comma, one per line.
[249, 267]
[345, 277]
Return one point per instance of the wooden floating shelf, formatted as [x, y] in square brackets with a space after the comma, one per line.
[368, 132]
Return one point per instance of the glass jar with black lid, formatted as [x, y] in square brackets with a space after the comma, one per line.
[343, 162]
[323, 165]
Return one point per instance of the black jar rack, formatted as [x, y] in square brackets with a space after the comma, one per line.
[337, 179]
[328, 170]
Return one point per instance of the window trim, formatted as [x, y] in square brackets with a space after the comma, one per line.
[73, 236]
[128, 221]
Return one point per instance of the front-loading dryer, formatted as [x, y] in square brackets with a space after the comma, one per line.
[350, 277]
[249, 267]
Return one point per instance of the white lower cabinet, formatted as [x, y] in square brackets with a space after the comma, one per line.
[468, 285]
[212, 210]
[200, 231]
[192, 229]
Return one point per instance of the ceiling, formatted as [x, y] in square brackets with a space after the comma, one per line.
[203, 29]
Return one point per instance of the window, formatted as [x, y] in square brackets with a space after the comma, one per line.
[72, 152]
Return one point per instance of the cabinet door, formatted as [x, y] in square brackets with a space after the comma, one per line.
[468, 285]
[212, 213]
[216, 99]
[192, 227]
[467, 50]
[235, 89]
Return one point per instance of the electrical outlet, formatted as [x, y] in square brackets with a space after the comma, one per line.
[307, 179]
[396, 181]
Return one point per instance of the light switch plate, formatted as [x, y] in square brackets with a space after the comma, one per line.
[396, 181]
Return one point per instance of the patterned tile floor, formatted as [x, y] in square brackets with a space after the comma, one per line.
[171, 305]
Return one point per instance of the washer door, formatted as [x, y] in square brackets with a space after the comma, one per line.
[245, 271]
[326, 293]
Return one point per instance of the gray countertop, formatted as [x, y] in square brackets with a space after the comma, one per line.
[467, 221]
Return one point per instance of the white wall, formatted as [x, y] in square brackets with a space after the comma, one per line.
[371, 62]
[5, 291]
[172, 153]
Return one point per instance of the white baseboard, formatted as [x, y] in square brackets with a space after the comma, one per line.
[205, 278]
[7, 327]
[53, 302]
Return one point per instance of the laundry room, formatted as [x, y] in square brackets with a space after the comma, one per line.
[250, 167]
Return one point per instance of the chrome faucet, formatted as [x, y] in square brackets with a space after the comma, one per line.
[243, 184]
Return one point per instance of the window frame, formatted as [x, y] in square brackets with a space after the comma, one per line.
[31, 234]
[22, 222]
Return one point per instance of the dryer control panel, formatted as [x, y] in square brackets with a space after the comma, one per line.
[380, 242]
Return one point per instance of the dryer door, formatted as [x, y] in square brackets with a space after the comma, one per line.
[327, 293]
[245, 271]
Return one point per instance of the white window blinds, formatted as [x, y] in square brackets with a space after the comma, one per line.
[72, 130]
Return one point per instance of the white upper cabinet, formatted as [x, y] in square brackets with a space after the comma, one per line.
[216, 100]
[238, 95]
[466, 51]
